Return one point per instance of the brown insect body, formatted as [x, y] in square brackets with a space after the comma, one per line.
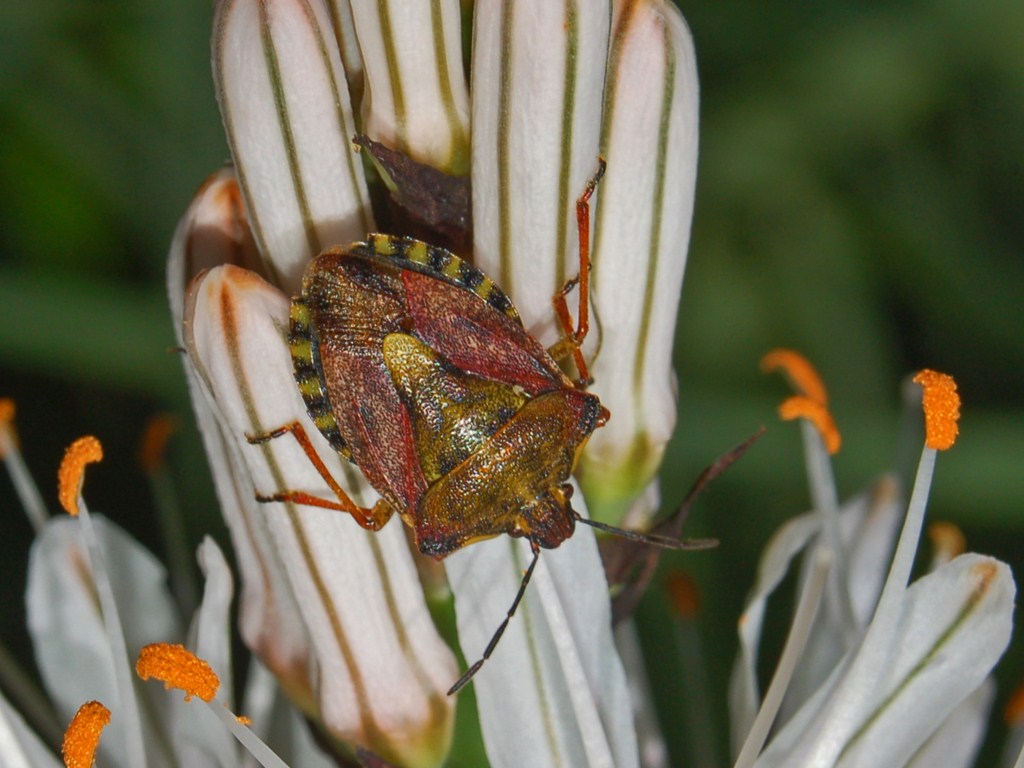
[417, 368]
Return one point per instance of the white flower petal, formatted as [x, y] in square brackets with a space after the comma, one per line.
[1013, 748]
[351, 57]
[19, 745]
[215, 231]
[278, 723]
[284, 101]
[538, 72]
[379, 669]
[886, 699]
[956, 742]
[197, 738]
[954, 627]
[302, 749]
[268, 616]
[868, 524]
[416, 100]
[67, 630]
[641, 235]
[555, 674]
[744, 691]
[210, 634]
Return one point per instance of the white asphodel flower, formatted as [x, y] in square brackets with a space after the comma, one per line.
[95, 599]
[876, 670]
[546, 102]
[337, 612]
[350, 667]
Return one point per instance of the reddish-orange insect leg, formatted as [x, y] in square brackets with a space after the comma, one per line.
[371, 519]
[573, 337]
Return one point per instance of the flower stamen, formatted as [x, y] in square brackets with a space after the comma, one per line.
[70, 476]
[683, 595]
[10, 454]
[1013, 713]
[814, 411]
[811, 405]
[6, 425]
[152, 457]
[82, 738]
[796, 642]
[177, 667]
[87, 450]
[941, 405]
[153, 447]
[803, 376]
[947, 541]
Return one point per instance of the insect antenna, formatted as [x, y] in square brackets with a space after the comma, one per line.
[468, 675]
[665, 542]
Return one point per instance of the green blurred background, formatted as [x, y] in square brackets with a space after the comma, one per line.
[859, 199]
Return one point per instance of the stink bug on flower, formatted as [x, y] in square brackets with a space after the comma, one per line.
[416, 367]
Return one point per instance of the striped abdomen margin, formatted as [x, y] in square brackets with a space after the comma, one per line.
[306, 363]
[430, 259]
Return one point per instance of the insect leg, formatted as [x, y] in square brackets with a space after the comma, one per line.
[371, 519]
[573, 337]
[468, 675]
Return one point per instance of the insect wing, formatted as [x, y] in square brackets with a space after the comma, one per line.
[477, 338]
[354, 304]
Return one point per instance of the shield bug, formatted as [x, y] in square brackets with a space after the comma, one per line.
[417, 368]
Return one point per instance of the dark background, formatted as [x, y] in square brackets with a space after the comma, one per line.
[859, 199]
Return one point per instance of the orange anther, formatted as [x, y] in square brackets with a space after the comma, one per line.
[798, 369]
[6, 410]
[6, 421]
[802, 407]
[177, 667]
[941, 409]
[683, 594]
[1013, 714]
[947, 539]
[154, 441]
[85, 450]
[82, 738]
